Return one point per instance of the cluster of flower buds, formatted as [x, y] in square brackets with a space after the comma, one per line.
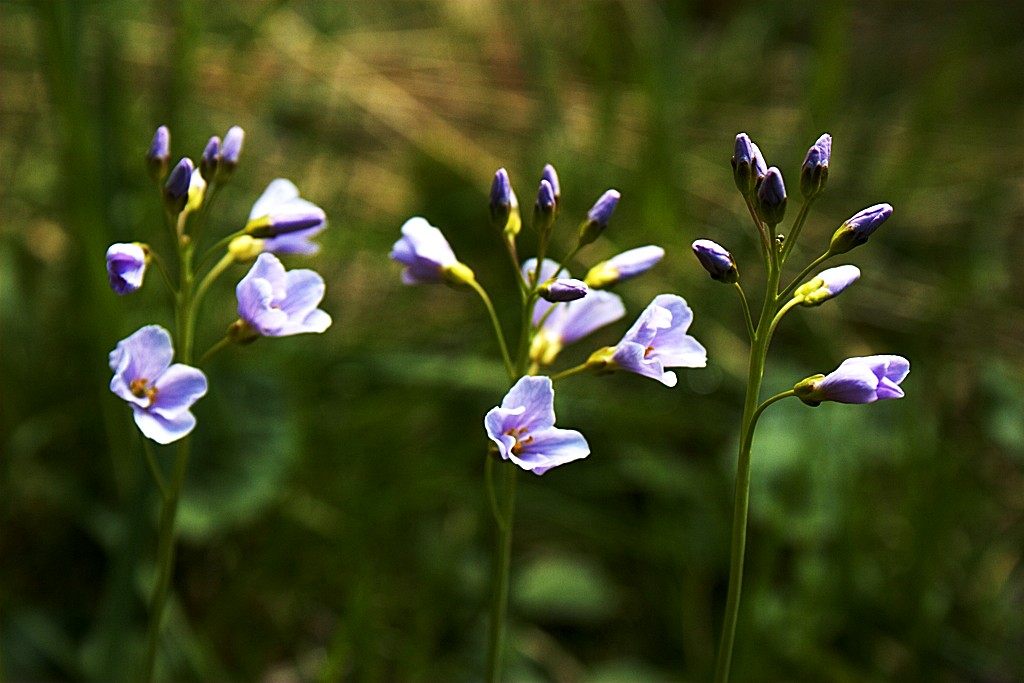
[560, 311]
[272, 302]
[764, 191]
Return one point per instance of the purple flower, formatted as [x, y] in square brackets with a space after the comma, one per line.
[286, 221]
[126, 266]
[657, 340]
[159, 393]
[211, 157]
[826, 284]
[232, 147]
[503, 204]
[544, 208]
[771, 197]
[624, 266]
[523, 428]
[814, 171]
[177, 186]
[159, 153]
[598, 217]
[562, 290]
[857, 380]
[549, 174]
[273, 302]
[567, 322]
[856, 229]
[717, 261]
[427, 256]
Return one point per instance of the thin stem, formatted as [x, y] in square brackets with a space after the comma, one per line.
[509, 367]
[778, 316]
[582, 367]
[153, 467]
[215, 349]
[499, 603]
[804, 273]
[165, 559]
[798, 224]
[221, 244]
[492, 497]
[225, 262]
[741, 503]
[746, 311]
[162, 267]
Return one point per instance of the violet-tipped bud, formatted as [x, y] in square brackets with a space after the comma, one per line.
[771, 197]
[826, 285]
[159, 154]
[230, 151]
[504, 205]
[748, 165]
[856, 230]
[544, 208]
[211, 158]
[623, 266]
[857, 380]
[562, 289]
[814, 172]
[717, 260]
[177, 186]
[549, 174]
[598, 217]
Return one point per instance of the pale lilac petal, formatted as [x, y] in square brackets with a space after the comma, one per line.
[577, 319]
[126, 267]
[161, 429]
[423, 251]
[536, 396]
[278, 303]
[550, 448]
[278, 192]
[177, 389]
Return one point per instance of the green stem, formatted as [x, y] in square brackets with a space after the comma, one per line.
[582, 367]
[798, 224]
[803, 274]
[499, 602]
[221, 244]
[226, 262]
[214, 350]
[165, 559]
[509, 367]
[153, 467]
[741, 503]
[746, 311]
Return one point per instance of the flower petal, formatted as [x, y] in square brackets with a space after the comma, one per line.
[161, 429]
[177, 389]
[550, 448]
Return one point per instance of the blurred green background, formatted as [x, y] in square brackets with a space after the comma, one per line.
[335, 525]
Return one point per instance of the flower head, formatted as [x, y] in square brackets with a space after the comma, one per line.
[284, 221]
[598, 217]
[159, 393]
[717, 261]
[657, 340]
[826, 284]
[856, 229]
[211, 158]
[177, 186]
[562, 289]
[549, 174]
[523, 428]
[624, 266]
[427, 256]
[565, 323]
[273, 302]
[748, 165]
[544, 207]
[126, 266]
[231, 150]
[857, 380]
[814, 171]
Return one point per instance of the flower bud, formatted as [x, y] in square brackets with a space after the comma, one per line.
[814, 172]
[126, 266]
[196, 192]
[771, 197]
[562, 289]
[159, 154]
[230, 151]
[856, 230]
[827, 284]
[856, 380]
[272, 225]
[177, 186]
[598, 217]
[544, 208]
[211, 158]
[717, 261]
[504, 206]
[551, 176]
[748, 165]
[623, 266]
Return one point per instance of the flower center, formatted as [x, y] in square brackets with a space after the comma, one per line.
[140, 388]
[518, 433]
[648, 351]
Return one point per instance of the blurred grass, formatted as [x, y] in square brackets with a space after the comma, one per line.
[336, 527]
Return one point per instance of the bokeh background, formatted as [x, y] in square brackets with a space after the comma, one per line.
[335, 525]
